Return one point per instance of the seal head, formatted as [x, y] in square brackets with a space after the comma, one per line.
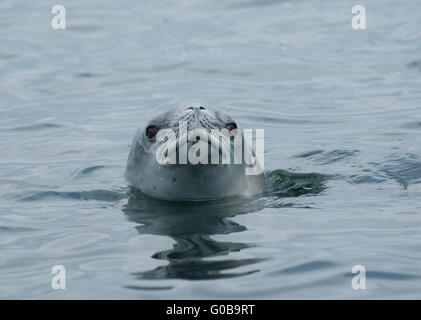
[187, 153]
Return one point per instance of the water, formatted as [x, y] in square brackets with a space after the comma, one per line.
[340, 110]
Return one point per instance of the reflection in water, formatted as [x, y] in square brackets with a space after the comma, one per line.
[191, 225]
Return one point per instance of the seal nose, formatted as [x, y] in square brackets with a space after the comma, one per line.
[197, 110]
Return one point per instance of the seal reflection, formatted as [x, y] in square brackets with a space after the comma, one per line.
[191, 225]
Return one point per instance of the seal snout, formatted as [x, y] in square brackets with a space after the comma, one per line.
[197, 115]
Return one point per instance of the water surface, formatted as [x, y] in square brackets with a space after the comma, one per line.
[340, 110]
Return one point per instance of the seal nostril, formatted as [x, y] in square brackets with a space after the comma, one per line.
[202, 108]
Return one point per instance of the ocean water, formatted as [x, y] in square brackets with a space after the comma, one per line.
[341, 114]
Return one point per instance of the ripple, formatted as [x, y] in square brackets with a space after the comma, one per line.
[412, 125]
[84, 28]
[36, 127]
[91, 169]
[405, 170]
[416, 64]
[308, 266]
[149, 288]
[87, 75]
[387, 275]
[100, 195]
[15, 229]
[288, 184]
[256, 3]
[358, 179]
[328, 157]
[308, 154]
[6, 56]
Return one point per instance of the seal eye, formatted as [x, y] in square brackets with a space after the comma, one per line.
[151, 131]
[231, 126]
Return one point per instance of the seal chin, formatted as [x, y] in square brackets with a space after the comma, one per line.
[196, 182]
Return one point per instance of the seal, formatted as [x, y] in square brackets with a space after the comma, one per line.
[159, 168]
